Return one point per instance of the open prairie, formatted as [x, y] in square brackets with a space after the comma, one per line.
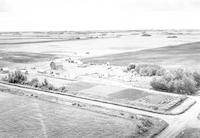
[183, 55]
[92, 47]
[25, 117]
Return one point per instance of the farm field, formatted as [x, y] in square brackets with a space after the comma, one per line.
[134, 98]
[29, 117]
[15, 58]
[184, 55]
[189, 133]
[126, 96]
[51, 36]
[94, 66]
[129, 41]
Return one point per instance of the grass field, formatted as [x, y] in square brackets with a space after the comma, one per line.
[10, 58]
[129, 94]
[186, 55]
[28, 117]
[190, 133]
[80, 86]
[95, 47]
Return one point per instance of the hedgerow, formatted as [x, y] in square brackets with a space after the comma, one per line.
[177, 81]
[149, 70]
[20, 78]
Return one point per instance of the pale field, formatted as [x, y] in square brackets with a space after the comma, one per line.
[189, 133]
[180, 56]
[98, 47]
[28, 117]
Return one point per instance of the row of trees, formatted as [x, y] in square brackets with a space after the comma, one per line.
[19, 78]
[174, 81]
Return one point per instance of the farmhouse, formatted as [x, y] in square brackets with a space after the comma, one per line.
[56, 65]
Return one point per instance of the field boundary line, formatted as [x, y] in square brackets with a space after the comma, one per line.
[56, 94]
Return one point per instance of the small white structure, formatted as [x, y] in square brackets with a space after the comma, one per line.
[79, 62]
[108, 63]
[56, 65]
[24, 71]
[4, 70]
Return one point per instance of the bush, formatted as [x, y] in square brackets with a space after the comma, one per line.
[47, 86]
[177, 81]
[17, 77]
[144, 126]
[149, 70]
[34, 82]
[45, 83]
[51, 87]
[4, 78]
[196, 76]
[63, 89]
[131, 66]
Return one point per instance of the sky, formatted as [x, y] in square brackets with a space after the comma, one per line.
[50, 15]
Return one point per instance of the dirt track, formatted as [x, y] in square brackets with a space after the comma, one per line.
[179, 122]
